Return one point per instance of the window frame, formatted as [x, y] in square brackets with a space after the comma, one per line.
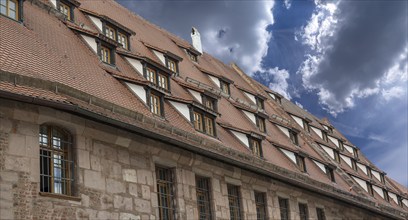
[330, 173]
[147, 69]
[70, 16]
[192, 56]
[205, 192]
[324, 136]
[174, 62]
[284, 208]
[125, 43]
[67, 174]
[169, 183]
[255, 145]
[225, 87]
[260, 123]
[303, 211]
[293, 136]
[205, 118]
[234, 202]
[149, 93]
[261, 205]
[300, 162]
[207, 99]
[320, 214]
[306, 126]
[259, 103]
[18, 10]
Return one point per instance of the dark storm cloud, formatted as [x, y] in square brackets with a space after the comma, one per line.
[368, 40]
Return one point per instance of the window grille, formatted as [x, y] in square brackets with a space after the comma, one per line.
[234, 202]
[260, 205]
[320, 214]
[165, 193]
[284, 208]
[303, 211]
[203, 198]
[56, 163]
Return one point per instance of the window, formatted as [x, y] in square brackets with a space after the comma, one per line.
[370, 188]
[163, 82]
[65, 9]
[330, 173]
[354, 164]
[255, 146]
[300, 161]
[209, 102]
[172, 65]
[303, 211]
[293, 137]
[260, 203]
[209, 125]
[259, 103]
[382, 178]
[155, 104]
[324, 136]
[56, 160]
[151, 75]
[284, 208]
[225, 87]
[165, 193]
[400, 203]
[320, 214]
[9, 8]
[123, 39]
[260, 123]
[341, 146]
[234, 202]
[336, 156]
[106, 55]
[203, 198]
[203, 122]
[386, 197]
[198, 121]
[355, 152]
[192, 56]
[110, 32]
[306, 126]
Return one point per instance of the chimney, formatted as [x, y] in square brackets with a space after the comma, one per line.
[196, 39]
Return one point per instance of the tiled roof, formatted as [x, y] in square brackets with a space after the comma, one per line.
[45, 47]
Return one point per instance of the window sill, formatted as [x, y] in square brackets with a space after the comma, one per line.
[60, 196]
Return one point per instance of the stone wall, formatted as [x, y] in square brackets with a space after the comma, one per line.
[115, 175]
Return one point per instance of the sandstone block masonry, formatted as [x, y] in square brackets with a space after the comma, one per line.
[114, 175]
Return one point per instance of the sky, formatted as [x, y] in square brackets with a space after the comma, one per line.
[344, 60]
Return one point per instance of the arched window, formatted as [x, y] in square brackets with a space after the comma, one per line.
[56, 163]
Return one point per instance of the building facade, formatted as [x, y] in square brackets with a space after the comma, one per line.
[106, 116]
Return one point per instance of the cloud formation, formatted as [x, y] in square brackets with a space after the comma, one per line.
[231, 31]
[355, 52]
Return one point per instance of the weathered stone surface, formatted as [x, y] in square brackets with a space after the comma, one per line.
[94, 179]
[115, 186]
[129, 175]
[128, 216]
[83, 159]
[142, 205]
[123, 203]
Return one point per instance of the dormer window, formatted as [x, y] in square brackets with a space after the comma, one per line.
[110, 32]
[324, 136]
[370, 189]
[255, 146]
[155, 103]
[224, 87]
[306, 126]
[386, 197]
[123, 39]
[64, 9]
[354, 164]
[260, 123]
[336, 156]
[10, 8]
[157, 78]
[341, 146]
[259, 103]
[203, 122]
[209, 102]
[192, 56]
[355, 152]
[172, 65]
[106, 54]
[330, 173]
[300, 161]
[293, 137]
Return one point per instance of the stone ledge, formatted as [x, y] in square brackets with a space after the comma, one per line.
[60, 196]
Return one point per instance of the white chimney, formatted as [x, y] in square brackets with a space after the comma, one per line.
[196, 39]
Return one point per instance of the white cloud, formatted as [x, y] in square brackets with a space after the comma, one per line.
[288, 4]
[340, 67]
[279, 83]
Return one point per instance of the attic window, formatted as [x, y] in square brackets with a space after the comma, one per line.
[123, 39]
[224, 87]
[324, 136]
[259, 103]
[172, 64]
[255, 146]
[260, 123]
[355, 153]
[293, 137]
[10, 8]
[106, 55]
[300, 161]
[110, 32]
[386, 197]
[155, 102]
[306, 126]
[354, 164]
[209, 102]
[341, 146]
[159, 79]
[337, 156]
[370, 188]
[330, 173]
[192, 56]
[203, 122]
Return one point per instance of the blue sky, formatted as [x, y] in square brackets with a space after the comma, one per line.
[344, 60]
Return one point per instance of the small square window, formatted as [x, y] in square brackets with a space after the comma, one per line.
[151, 75]
[110, 32]
[209, 102]
[192, 56]
[9, 8]
[65, 9]
[172, 65]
